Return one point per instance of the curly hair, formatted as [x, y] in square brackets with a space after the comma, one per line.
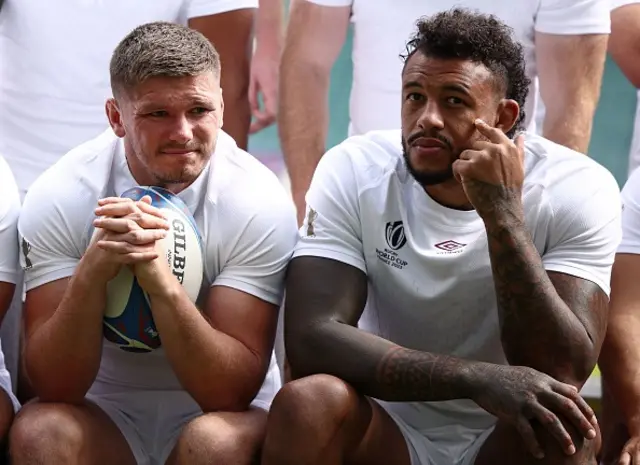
[482, 38]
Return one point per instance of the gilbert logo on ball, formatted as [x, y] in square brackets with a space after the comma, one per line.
[128, 321]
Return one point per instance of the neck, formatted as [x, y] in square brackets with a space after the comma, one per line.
[449, 194]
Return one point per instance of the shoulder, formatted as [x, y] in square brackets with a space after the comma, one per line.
[61, 201]
[364, 160]
[241, 190]
[565, 175]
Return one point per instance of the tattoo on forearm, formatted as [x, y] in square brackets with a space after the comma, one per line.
[538, 327]
[421, 376]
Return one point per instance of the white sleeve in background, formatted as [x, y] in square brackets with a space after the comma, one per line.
[9, 212]
[197, 8]
[333, 2]
[585, 230]
[574, 17]
[258, 259]
[331, 227]
[631, 215]
[45, 227]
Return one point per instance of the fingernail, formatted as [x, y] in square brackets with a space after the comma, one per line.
[539, 455]
[572, 450]
[479, 121]
[591, 434]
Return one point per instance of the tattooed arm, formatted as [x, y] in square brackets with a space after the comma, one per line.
[325, 299]
[550, 321]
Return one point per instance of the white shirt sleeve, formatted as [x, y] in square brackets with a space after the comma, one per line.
[585, 230]
[332, 228]
[261, 248]
[9, 212]
[332, 2]
[197, 8]
[48, 251]
[574, 17]
[631, 215]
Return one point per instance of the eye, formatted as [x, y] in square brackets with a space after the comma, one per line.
[200, 110]
[158, 113]
[454, 100]
[414, 96]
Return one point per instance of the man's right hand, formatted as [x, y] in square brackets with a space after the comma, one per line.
[126, 234]
[520, 395]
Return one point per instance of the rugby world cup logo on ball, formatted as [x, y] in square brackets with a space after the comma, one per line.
[128, 321]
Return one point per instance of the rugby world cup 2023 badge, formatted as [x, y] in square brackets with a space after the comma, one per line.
[396, 239]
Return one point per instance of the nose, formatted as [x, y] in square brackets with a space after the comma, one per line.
[431, 116]
[181, 130]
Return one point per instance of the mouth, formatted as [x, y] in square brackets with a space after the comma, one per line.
[178, 153]
[429, 143]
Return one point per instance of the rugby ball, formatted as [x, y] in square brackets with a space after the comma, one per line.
[128, 321]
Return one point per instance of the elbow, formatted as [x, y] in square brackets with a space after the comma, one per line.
[305, 347]
[234, 396]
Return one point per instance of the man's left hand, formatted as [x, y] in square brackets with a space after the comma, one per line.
[492, 173]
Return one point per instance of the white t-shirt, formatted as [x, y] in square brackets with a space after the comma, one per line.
[383, 27]
[631, 215]
[246, 220]
[9, 212]
[9, 271]
[54, 70]
[430, 280]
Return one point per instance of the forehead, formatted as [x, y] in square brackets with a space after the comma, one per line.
[167, 90]
[429, 71]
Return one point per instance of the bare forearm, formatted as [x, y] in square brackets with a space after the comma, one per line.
[572, 125]
[379, 368]
[619, 362]
[63, 355]
[535, 321]
[237, 115]
[303, 121]
[269, 24]
[217, 370]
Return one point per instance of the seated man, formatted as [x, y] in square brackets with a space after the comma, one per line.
[202, 397]
[9, 211]
[483, 257]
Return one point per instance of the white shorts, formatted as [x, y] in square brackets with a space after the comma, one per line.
[150, 421]
[448, 445]
[5, 384]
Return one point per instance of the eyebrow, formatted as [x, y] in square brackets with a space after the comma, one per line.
[411, 84]
[460, 88]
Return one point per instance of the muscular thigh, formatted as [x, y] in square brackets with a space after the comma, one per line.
[383, 442]
[85, 432]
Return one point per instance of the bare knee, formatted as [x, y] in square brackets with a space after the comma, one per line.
[223, 437]
[44, 433]
[316, 401]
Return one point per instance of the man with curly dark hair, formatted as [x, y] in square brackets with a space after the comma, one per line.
[448, 293]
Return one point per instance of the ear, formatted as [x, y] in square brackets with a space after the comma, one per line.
[115, 117]
[507, 115]
[221, 119]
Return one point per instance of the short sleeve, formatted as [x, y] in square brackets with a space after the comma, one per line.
[585, 231]
[574, 17]
[631, 215]
[332, 228]
[197, 8]
[9, 212]
[332, 2]
[47, 242]
[260, 253]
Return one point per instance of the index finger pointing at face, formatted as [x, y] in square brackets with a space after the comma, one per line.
[495, 135]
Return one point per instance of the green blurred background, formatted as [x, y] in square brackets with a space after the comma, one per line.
[609, 144]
